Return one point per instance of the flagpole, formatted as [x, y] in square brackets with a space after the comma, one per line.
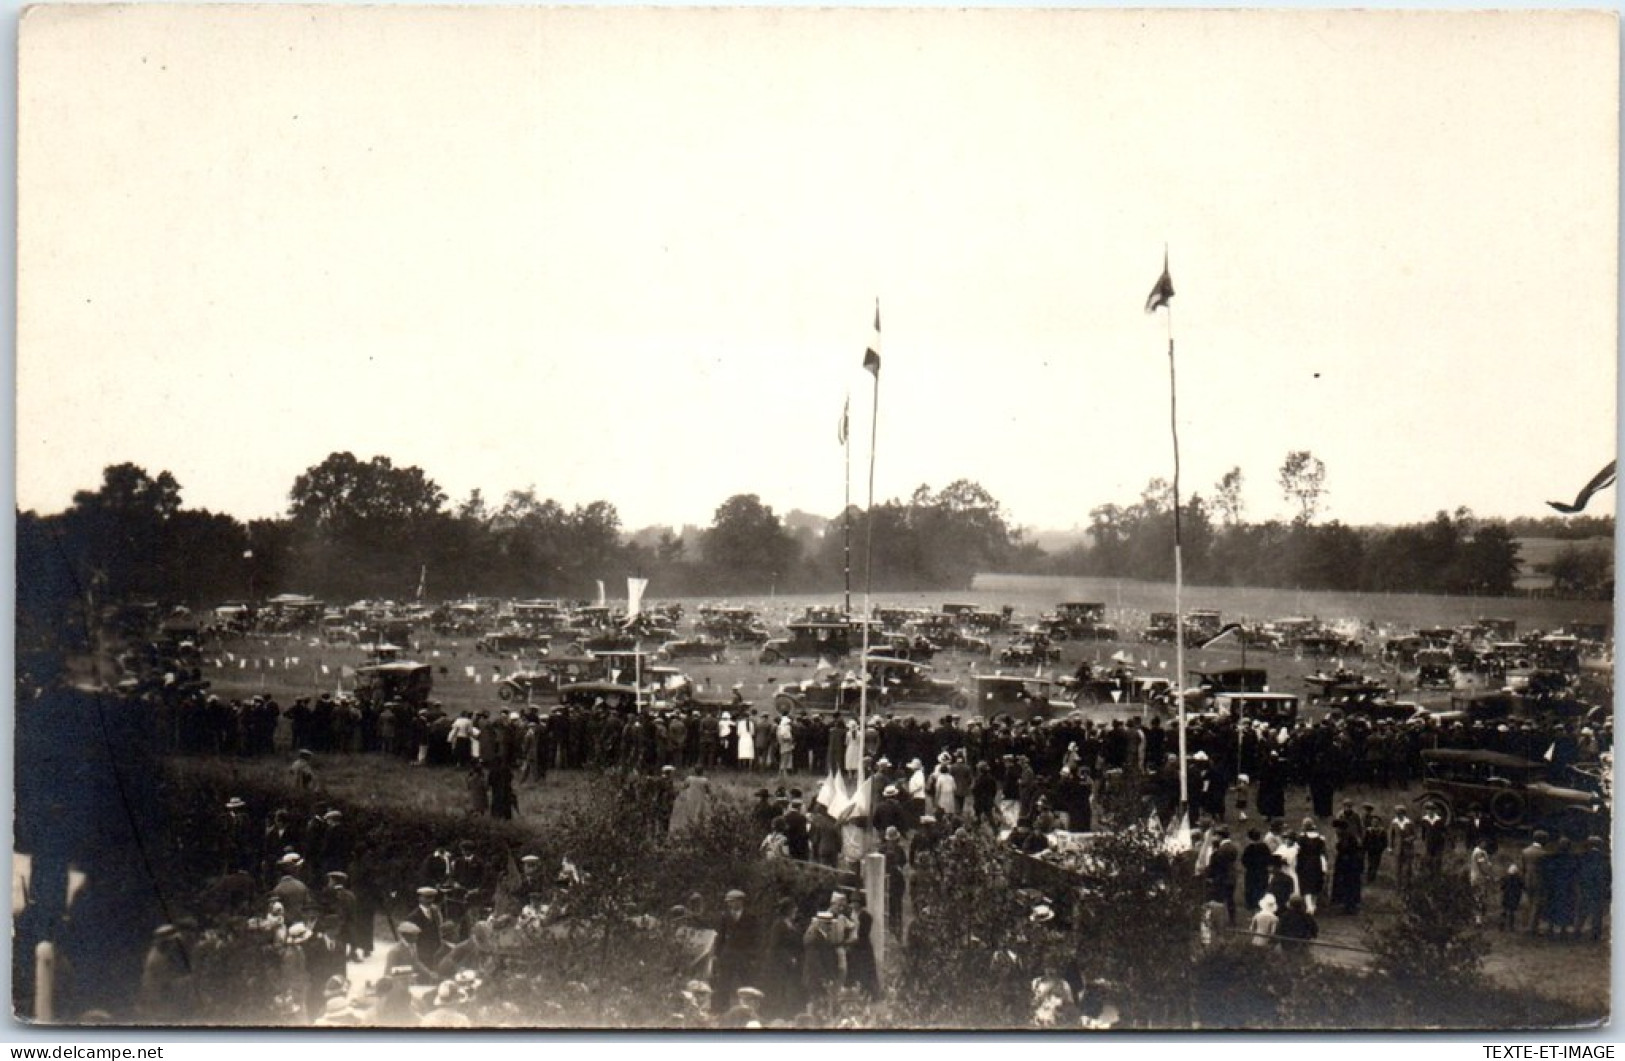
[846, 439]
[1179, 568]
[868, 568]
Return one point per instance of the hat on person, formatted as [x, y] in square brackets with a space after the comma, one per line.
[531, 860]
[303, 753]
[1200, 757]
[290, 858]
[235, 803]
[338, 876]
[932, 818]
[890, 790]
[824, 915]
[733, 895]
[298, 932]
[407, 928]
[163, 932]
[427, 892]
[915, 764]
[697, 987]
[1041, 914]
[883, 761]
[749, 992]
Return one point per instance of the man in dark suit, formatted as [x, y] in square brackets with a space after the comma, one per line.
[735, 951]
[430, 922]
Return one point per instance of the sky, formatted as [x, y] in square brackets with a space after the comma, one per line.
[635, 254]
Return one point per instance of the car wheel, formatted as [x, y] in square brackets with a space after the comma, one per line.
[784, 704]
[1437, 805]
[771, 655]
[1508, 809]
[505, 692]
[959, 702]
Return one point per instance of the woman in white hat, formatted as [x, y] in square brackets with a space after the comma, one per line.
[1264, 922]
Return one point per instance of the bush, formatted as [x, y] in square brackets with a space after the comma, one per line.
[1433, 944]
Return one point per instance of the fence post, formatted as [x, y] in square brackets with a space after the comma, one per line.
[874, 891]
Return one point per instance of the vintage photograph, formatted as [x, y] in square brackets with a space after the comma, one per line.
[838, 520]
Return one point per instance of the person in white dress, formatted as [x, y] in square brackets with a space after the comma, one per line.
[746, 731]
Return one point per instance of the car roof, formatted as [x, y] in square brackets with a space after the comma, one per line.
[1476, 755]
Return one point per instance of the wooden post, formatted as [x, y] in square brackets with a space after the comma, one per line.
[874, 892]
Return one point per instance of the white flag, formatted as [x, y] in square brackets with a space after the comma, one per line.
[602, 600]
[634, 597]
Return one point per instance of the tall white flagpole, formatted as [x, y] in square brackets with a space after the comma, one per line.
[871, 361]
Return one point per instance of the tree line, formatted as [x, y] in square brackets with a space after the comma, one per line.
[359, 529]
[1453, 553]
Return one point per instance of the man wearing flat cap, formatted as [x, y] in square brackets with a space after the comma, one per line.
[736, 949]
[430, 921]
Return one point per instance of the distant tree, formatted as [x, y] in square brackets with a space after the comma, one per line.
[364, 528]
[342, 495]
[1303, 481]
[746, 546]
[1227, 497]
[1582, 570]
[1489, 562]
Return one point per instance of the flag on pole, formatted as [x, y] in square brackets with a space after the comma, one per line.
[1164, 289]
[634, 597]
[871, 356]
[846, 412]
[1178, 840]
[1601, 481]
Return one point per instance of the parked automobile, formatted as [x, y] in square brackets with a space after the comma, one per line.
[810, 640]
[1515, 792]
[1277, 709]
[1021, 698]
[903, 681]
[548, 676]
[701, 647]
[381, 683]
[1028, 649]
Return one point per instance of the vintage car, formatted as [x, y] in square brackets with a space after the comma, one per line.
[829, 692]
[614, 695]
[1342, 685]
[1276, 709]
[1030, 648]
[947, 635]
[382, 683]
[1434, 669]
[1020, 698]
[903, 681]
[701, 647]
[732, 624]
[508, 642]
[548, 676]
[811, 640]
[1515, 792]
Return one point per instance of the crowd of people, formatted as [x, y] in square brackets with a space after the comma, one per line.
[288, 885]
